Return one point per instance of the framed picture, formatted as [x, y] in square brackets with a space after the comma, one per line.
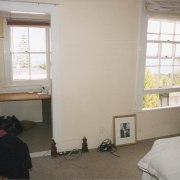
[124, 129]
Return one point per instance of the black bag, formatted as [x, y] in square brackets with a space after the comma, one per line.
[107, 146]
[15, 160]
[11, 124]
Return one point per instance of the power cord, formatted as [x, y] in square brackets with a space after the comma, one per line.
[107, 146]
[71, 155]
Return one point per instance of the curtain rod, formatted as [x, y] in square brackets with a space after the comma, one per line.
[30, 2]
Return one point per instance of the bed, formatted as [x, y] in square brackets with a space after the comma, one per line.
[162, 162]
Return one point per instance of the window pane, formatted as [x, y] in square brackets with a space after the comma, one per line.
[174, 99]
[19, 38]
[177, 30]
[166, 76]
[151, 101]
[20, 64]
[166, 37]
[152, 62]
[166, 62]
[166, 50]
[177, 38]
[37, 39]
[151, 78]
[38, 66]
[162, 70]
[164, 99]
[153, 26]
[152, 37]
[161, 100]
[152, 49]
[177, 53]
[167, 28]
[177, 61]
[176, 75]
[166, 70]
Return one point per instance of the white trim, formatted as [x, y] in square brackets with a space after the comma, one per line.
[141, 57]
[40, 154]
[56, 63]
[160, 91]
[55, 31]
[157, 109]
[32, 2]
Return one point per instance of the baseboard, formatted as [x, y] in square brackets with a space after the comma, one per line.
[40, 154]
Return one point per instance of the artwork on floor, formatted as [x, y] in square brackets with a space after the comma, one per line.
[124, 128]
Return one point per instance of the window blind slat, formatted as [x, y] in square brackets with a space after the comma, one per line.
[163, 6]
[27, 22]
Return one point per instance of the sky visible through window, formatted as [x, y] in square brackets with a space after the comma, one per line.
[160, 34]
[162, 68]
[29, 54]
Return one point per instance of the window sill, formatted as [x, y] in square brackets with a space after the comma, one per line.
[157, 109]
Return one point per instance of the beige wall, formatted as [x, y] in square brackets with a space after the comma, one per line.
[1, 27]
[158, 123]
[1, 61]
[99, 58]
[98, 67]
[23, 110]
[97, 76]
[1, 50]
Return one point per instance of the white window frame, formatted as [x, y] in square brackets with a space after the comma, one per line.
[10, 84]
[140, 91]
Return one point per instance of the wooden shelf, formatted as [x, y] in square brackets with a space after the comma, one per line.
[25, 96]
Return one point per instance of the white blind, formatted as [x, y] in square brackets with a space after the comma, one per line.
[163, 6]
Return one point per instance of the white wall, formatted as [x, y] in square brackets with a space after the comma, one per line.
[98, 67]
[158, 123]
[98, 70]
[1, 54]
[97, 73]
[1, 51]
[23, 110]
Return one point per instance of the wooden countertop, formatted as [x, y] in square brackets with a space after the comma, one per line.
[24, 96]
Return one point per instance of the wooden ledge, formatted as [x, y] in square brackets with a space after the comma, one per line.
[23, 96]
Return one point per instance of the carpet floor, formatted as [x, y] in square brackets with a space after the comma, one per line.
[93, 164]
[38, 138]
[90, 165]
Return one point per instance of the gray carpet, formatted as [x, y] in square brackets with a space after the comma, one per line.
[90, 165]
[38, 138]
[93, 165]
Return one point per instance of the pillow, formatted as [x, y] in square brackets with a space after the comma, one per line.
[27, 124]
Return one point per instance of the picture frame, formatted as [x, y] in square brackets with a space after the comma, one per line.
[124, 130]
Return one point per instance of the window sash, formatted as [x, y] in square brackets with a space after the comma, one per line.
[12, 84]
[29, 70]
[162, 59]
[161, 90]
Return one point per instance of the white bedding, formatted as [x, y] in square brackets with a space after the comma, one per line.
[163, 160]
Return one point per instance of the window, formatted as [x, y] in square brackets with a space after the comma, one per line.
[28, 53]
[162, 66]
[28, 57]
